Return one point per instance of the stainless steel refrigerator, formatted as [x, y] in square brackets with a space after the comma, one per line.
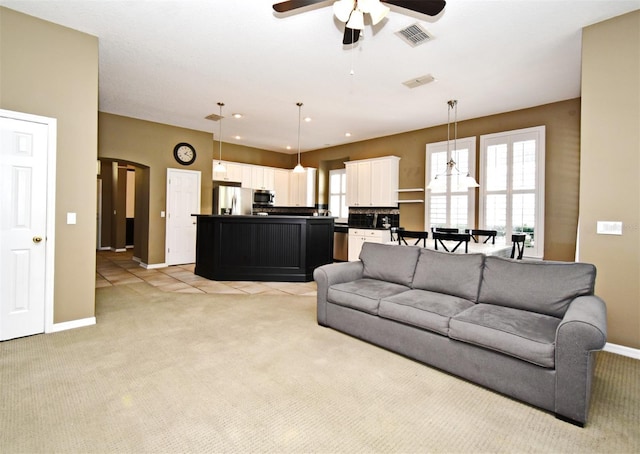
[232, 200]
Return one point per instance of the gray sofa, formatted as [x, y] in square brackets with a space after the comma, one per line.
[527, 329]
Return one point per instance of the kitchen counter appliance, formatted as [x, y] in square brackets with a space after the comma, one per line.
[340, 242]
[264, 198]
[232, 200]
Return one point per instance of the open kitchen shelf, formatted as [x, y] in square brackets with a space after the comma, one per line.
[410, 200]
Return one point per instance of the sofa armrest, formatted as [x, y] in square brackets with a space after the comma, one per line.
[582, 331]
[328, 275]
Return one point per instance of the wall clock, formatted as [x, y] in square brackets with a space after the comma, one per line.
[184, 153]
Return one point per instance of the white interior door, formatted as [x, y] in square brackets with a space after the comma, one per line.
[23, 226]
[183, 200]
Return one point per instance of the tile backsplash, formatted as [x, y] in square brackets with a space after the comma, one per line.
[373, 218]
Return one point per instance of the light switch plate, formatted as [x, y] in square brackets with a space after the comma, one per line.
[609, 228]
[162, 214]
[71, 218]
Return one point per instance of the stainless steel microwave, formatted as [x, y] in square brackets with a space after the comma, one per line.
[264, 197]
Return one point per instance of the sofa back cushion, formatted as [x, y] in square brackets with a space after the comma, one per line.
[451, 274]
[389, 263]
[545, 287]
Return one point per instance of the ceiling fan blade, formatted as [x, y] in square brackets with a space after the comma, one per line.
[428, 7]
[290, 5]
[351, 35]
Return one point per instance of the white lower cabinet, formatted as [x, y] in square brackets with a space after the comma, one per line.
[357, 237]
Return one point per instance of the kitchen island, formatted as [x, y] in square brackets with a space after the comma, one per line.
[262, 248]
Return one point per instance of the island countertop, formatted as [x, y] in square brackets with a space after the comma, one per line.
[262, 248]
[262, 216]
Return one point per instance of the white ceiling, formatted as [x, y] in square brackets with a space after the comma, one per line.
[172, 61]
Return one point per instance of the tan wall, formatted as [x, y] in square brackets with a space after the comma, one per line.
[610, 168]
[49, 70]
[150, 145]
[562, 121]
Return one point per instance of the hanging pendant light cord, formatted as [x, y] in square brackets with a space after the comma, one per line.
[220, 133]
[299, 121]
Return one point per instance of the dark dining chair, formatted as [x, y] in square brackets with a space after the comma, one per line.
[477, 233]
[444, 230]
[458, 238]
[417, 235]
[517, 245]
[395, 234]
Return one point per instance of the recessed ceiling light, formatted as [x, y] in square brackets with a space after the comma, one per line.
[237, 115]
[288, 147]
[347, 134]
[237, 137]
[307, 119]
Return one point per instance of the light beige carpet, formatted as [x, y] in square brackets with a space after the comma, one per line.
[168, 373]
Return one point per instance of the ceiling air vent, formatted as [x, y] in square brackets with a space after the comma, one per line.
[414, 35]
[418, 81]
[213, 117]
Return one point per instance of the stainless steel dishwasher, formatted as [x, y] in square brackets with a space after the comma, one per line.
[341, 242]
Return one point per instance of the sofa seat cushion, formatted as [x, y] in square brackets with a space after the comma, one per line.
[363, 294]
[424, 309]
[526, 335]
[389, 263]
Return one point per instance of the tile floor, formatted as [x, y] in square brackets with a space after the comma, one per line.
[118, 268]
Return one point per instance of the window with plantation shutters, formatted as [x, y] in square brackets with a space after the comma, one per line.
[512, 185]
[450, 203]
[338, 193]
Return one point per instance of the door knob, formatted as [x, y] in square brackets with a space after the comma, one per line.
[37, 239]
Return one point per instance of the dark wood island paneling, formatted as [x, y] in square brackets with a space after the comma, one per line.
[262, 248]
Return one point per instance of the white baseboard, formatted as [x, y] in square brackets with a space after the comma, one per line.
[72, 324]
[622, 350]
[119, 249]
[153, 266]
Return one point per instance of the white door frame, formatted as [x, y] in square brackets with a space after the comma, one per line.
[49, 245]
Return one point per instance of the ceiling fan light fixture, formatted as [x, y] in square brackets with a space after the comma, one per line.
[376, 10]
[356, 21]
[342, 9]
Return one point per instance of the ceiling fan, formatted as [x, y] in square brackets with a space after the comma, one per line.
[351, 12]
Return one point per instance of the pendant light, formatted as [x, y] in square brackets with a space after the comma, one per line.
[298, 168]
[220, 168]
[439, 181]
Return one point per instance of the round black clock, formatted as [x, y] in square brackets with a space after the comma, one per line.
[184, 153]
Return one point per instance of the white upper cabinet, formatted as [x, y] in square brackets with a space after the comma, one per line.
[292, 189]
[373, 182]
[234, 172]
[302, 189]
[263, 177]
[231, 172]
[281, 187]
